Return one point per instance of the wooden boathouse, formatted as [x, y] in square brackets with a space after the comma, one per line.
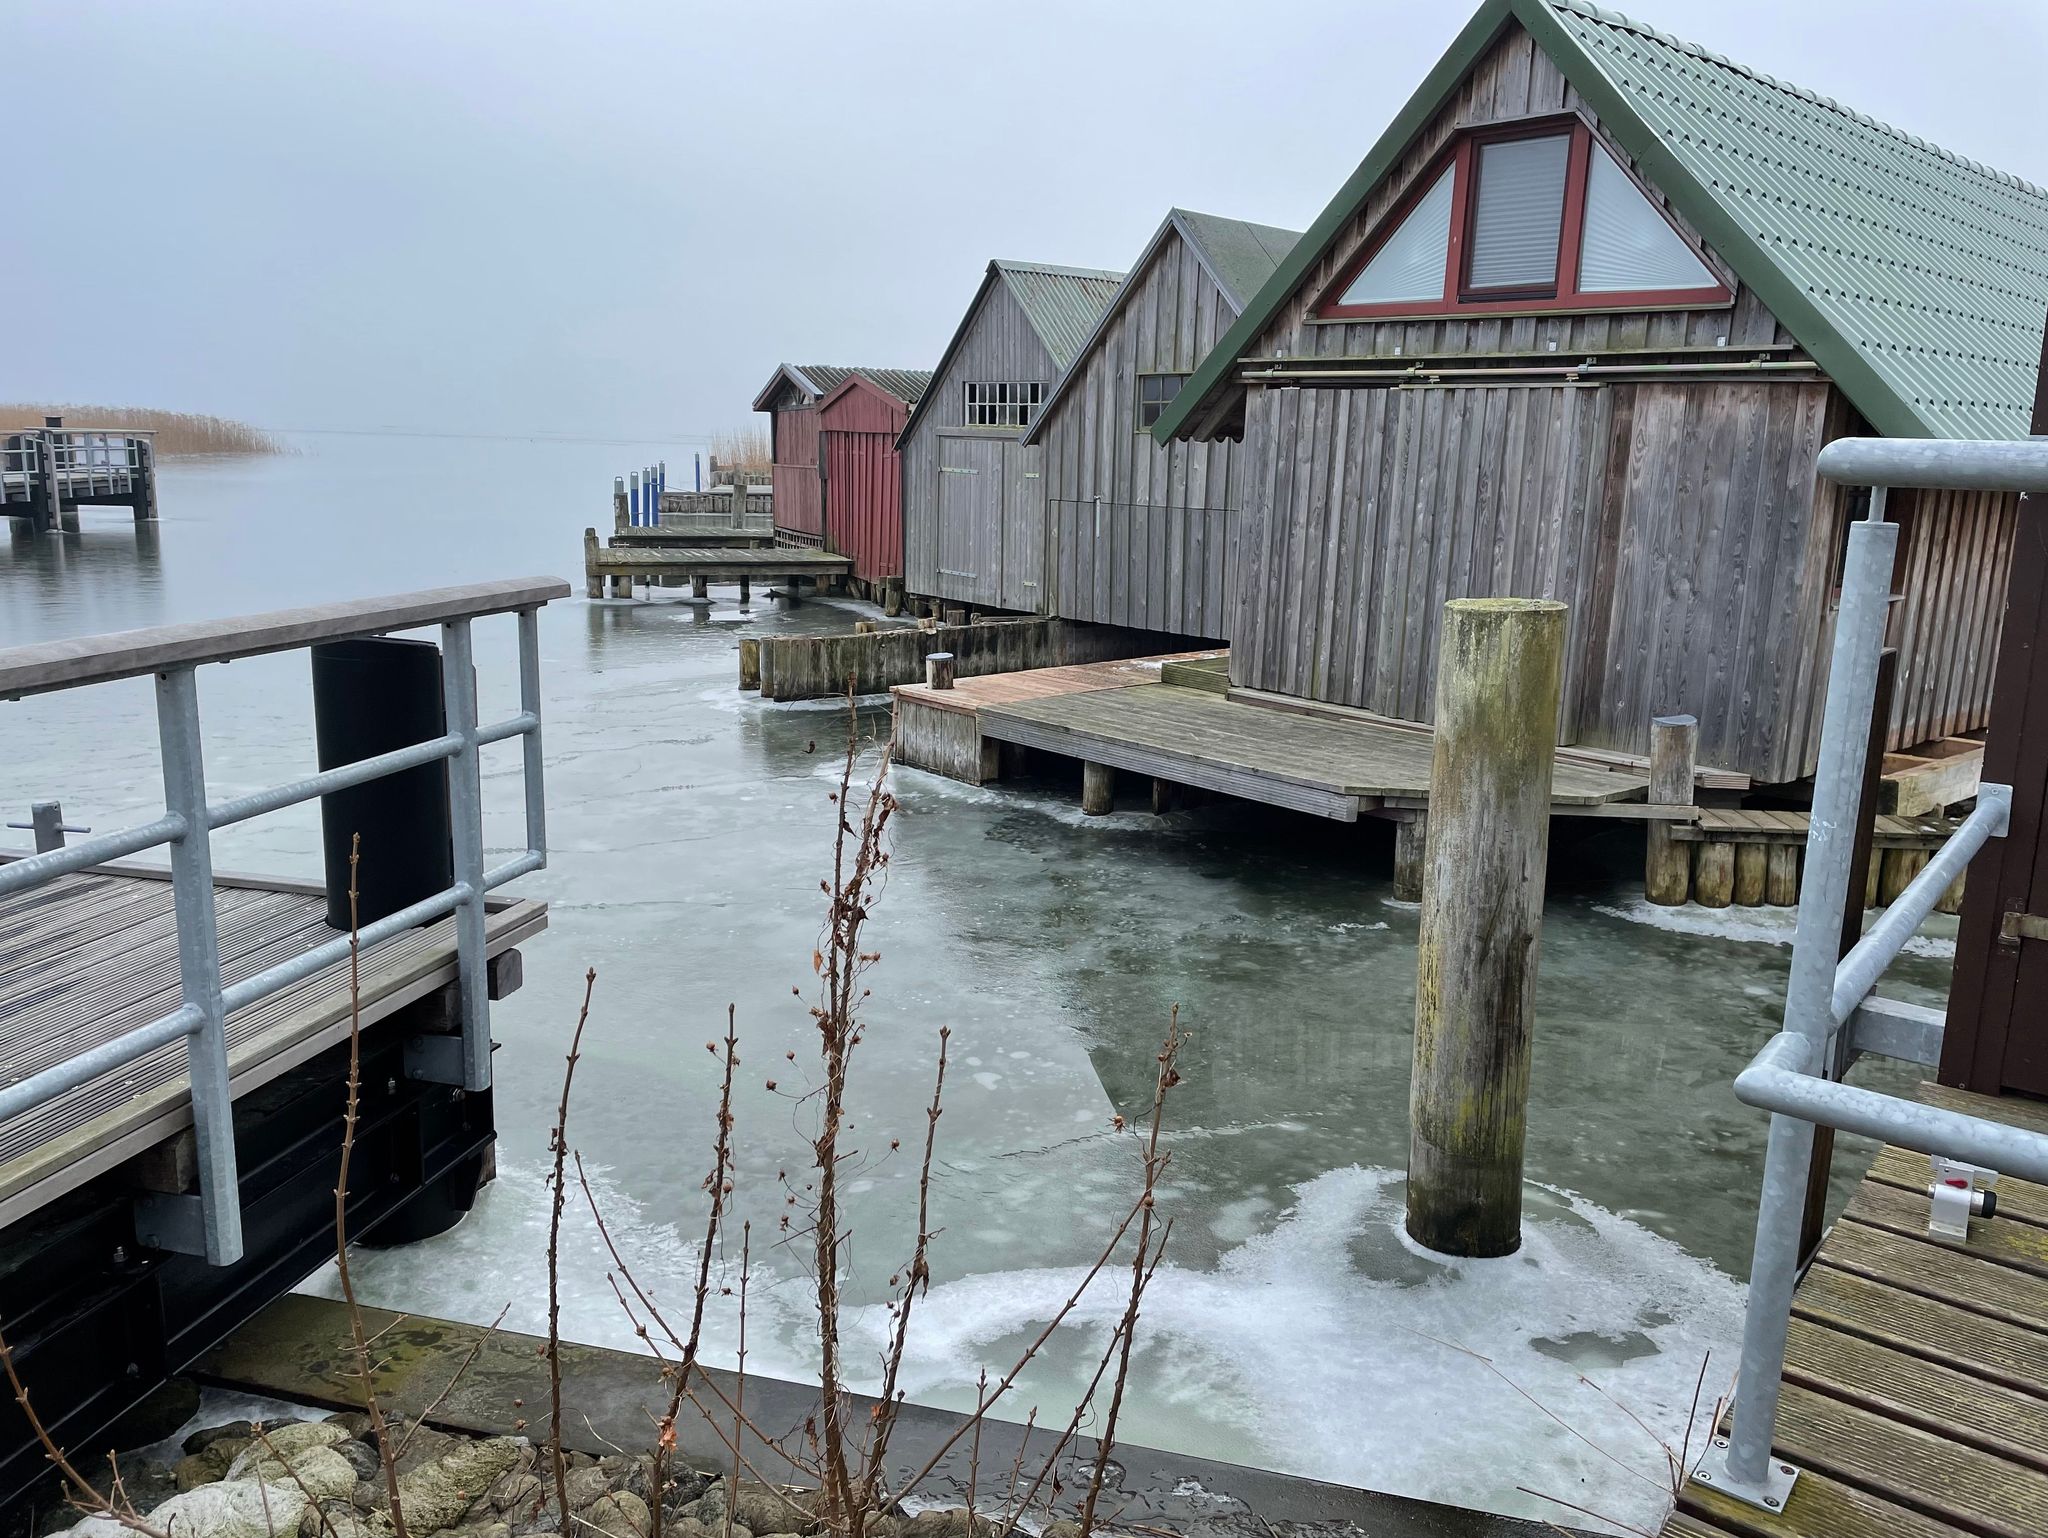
[973, 490]
[1141, 533]
[791, 398]
[861, 472]
[1578, 327]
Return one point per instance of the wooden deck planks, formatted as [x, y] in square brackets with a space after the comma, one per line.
[1916, 1373]
[1736, 825]
[56, 999]
[1188, 727]
[971, 694]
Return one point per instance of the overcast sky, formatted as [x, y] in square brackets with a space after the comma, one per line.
[612, 219]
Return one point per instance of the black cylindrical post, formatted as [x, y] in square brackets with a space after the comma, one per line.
[374, 695]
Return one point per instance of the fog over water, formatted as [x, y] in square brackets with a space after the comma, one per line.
[1293, 1324]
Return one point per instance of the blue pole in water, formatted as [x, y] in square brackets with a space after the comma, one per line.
[634, 519]
[698, 460]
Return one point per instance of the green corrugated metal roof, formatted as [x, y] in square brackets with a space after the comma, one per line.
[1239, 255]
[1242, 255]
[1062, 303]
[1916, 278]
[821, 379]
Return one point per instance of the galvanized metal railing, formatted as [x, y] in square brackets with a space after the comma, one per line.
[210, 1223]
[1827, 994]
[85, 461]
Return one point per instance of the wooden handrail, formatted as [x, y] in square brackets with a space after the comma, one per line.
[50, 665]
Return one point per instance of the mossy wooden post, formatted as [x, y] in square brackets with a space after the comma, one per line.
[1098, 789]
[1781, 876]
[1411, 839]
[1667, 863]
[593, 579]
[1488, 839]
[1752, 869]
[750, 662]
[746, 592]
[938, 670]
[1713, 873]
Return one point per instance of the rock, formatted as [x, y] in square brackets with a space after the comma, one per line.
[514, 1492]
[955, 1523]
[341, 1519]
[240, 1508]
[423, 1445]
[362, 1457]
[324, 1472]
[620, 1514]
[294, 1437]
[209, 1464]
[437, 1494]
[585, 1486]
[886, 1526]
[1061, 1529]
[479, 1530]
[206, 1436]
[355, 1422]
[626, 1473]
[759, 1508]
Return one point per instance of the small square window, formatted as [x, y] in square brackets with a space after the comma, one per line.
[1154, 392]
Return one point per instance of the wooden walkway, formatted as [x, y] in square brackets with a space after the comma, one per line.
[993, 690]
[1718, 824]
[91, 955]
[1916, 1397]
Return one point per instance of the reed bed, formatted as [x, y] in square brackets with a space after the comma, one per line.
[177, 432]
[746, 449]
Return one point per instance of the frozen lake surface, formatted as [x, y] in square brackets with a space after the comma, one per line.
[1293, 1325]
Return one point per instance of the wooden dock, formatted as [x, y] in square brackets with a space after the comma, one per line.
[700, 565]
[95, 954]
[1121, 715]
[47, 473]
[1916, 1376]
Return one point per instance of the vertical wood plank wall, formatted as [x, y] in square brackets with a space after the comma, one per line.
[999, 345]
[863, 479]
[1162, 556]
[1954, 567]
[798, 506]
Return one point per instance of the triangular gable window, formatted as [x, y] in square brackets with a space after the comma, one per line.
[1629, 245]
[1535, 216]
[1410, 264]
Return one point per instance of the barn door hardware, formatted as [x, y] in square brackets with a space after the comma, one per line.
[2015, 927]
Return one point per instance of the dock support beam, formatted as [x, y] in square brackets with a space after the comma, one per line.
[750, 662]
[1098, 789]
[700, 587]
[1165, 797]
[1667, 863]
[746, 592]
[1487, 844]
[1411, 836]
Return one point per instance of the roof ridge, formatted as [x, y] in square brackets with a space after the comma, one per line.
[1008, 264]
[1617, 20]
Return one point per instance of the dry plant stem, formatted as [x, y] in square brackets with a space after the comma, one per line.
[918, 1280]
[1585, 1512]
[560, 1464]
[842, 962]
[732, 1494]
[85, 1497]
[974, 1448]
[312, 1501]
[461, 1370]
[1155, 1162]
[387, 1455]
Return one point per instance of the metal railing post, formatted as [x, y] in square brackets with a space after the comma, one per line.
[465, 807]
[529, 703]
[1747, 1470]
[206, 1049]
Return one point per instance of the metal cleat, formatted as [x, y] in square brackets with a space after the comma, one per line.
[1958, 1191]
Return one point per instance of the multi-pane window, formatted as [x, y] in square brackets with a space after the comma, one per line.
[1536, 217]
[1001, 403]
[1154, 391]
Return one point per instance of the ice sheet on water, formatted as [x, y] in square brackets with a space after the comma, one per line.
[1766, 926]
[1327, 1343]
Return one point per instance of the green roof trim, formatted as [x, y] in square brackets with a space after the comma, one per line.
[1917, 279]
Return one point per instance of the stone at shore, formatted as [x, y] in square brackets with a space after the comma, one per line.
[240, 1508]
[437, 1495]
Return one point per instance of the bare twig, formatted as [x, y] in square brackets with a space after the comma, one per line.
[84, 1496]
[387, 1455]
[561, 1151]
[461, 1368]
[739, 1392]
[312, 1501]
[1168, 1076]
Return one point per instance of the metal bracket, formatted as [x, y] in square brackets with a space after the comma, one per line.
[434, 1059]
[2015, 927]
[1911, 1033]
[176, 1224]
[1772, 1495]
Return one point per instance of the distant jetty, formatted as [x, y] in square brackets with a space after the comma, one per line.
[177, 433]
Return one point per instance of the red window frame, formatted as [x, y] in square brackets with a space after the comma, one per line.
[1459, 297]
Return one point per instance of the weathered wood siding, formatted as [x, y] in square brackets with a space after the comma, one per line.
[1514, 79]
[799, 507]
[863, 478]
[1158, 553]
[982, 539]
[1673, 518]
[1954, 566]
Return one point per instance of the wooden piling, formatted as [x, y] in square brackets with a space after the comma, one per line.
[865, 627]
[622, 587]
[1752, 868]
[593, 580]
[892, 596]
[1165, 797]
[1411, 835]
[938, 670]
[1487, 841]
[1098, 789]
[746, 592]
[750, 662]
[1951, 901]
[1781, 875]
[700, 587]
[1667, 863]
[956, 616]
[1900, 867]
[1713, 873]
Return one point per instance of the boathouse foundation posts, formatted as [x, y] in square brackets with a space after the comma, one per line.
[1098, 789]
[1486, 846]
[938, 670]
[1667, 863]
[1411, 835]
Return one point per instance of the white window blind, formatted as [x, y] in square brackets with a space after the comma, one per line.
[1519, 212]
[1410, 266]
[1628, 244]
